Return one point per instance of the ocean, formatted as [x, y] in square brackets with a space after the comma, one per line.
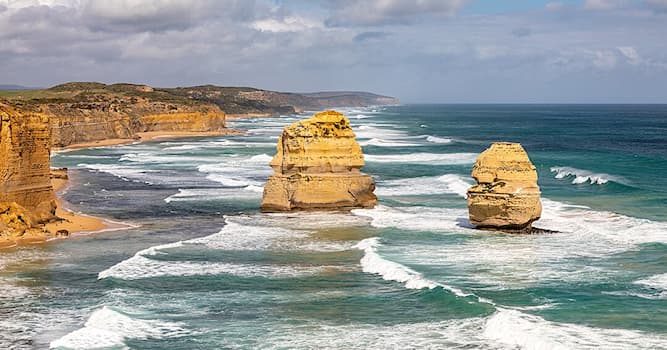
[204, 269]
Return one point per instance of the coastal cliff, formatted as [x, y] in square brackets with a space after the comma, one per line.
[88, 112]
[26, 194]
[506, 196]
[317, 166]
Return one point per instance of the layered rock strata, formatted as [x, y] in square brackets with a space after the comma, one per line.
[317, 166]
[26, 194]
[77, 123]
[506, 196]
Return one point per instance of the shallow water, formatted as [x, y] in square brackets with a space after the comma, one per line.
[206, 270]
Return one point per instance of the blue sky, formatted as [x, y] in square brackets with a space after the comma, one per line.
[473, 51]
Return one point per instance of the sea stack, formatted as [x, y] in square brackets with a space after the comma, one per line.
[506, 196]
[317, 167]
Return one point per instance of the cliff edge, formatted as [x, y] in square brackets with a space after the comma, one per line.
[26, 194]
[89, 112]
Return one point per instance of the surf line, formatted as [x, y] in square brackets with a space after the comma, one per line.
[373, 263]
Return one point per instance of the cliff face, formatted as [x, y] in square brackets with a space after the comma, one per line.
[506, 196]
[85, 112]
[317, 166]
[26, 194]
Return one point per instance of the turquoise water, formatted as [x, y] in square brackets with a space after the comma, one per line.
[204, 269]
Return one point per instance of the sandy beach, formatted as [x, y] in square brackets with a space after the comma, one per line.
[147, 137]
[76, 224]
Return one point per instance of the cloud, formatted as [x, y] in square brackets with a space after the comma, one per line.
[604, 59]
[604, 5]
[388, 12]
[286, 45]
[630, 54]
[522, 32]
[160, 15]
[657, 5]
[554, 6]
[286, 24]
[367, 36]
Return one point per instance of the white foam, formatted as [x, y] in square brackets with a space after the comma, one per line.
[233, 236]
[441, 140]
[159, 157]
[107, 328]
[655, 282]
[139, 267]
[260, 159]
[437, 185]
[442, 220]
[518, 330]
[387, 143]
[373, 263]
[123, 172]
[375, 131]
[219, 144]
[424, 158]
[584, 176]
[228, 181]
[250, 192]
[505, 329]
[500, 261]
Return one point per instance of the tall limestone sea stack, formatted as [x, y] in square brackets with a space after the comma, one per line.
[506, 197]
[317, 166]
[26, 193]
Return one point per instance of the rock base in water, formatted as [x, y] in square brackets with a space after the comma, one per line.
[317, 192]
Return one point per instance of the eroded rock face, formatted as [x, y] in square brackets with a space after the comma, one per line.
[317, 166]
[506, 196]
[101, 120]
[25, 163]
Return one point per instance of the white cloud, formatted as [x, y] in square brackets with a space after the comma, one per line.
[554, 6]
[385, 12]
[604, 59]
[604, 4]
[630, 54]
[287, 24]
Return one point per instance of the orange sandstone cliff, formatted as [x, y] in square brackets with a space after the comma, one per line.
[317, 166]
[506, 196]
[26, 195]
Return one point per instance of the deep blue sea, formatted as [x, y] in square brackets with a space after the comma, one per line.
[204, 269]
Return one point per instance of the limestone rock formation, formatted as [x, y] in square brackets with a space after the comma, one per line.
[506, 196]
[25, 162]
[26, 195]
[317, 166]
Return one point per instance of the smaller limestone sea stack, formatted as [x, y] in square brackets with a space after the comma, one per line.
[506, 197]
[317, 166]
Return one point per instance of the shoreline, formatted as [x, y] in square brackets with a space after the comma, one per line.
[147, 136]
[77, 224]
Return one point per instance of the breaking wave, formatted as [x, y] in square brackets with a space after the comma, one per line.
[424, 158]
[108, 328]
[580, 176]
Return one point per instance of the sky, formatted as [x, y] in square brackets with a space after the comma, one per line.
[421, 51]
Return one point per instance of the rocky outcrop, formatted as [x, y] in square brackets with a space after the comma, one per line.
[317, 166]
[26, 194]
[506, 196]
